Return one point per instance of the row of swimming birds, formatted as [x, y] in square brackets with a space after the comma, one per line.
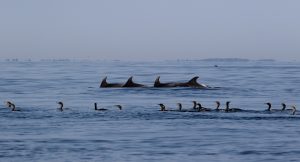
[197, 107]
[11, 105]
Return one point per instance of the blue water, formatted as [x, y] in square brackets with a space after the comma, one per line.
[140, 132]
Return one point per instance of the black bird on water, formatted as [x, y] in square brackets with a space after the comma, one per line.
[61, 106]
[201, 108]
[284, 107]
[231, 109]
[218, 106]
[269, 106]
[10, 104]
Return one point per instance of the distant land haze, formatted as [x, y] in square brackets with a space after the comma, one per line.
[150, 30]
[184, 60]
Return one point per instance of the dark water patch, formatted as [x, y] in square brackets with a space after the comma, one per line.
[252, 152]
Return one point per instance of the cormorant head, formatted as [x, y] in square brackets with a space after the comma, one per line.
[119, 106]
[269, 104]
[227, 103]
[61, 104]
[8, 104]
[162, 107]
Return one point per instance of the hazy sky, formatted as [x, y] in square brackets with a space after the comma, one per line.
[150, 29]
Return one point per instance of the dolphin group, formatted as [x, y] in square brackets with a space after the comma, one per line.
[157, 84]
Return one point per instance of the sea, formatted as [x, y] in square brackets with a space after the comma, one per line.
[140, 132]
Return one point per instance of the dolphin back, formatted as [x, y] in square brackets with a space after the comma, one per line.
[157, 83]
[193, 83]
[130, 83]
[104, 84]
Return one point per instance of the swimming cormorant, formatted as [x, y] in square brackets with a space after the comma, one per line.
[231, 109]
[61, 106]
[218, 106]
[200, 108]
[269, 106]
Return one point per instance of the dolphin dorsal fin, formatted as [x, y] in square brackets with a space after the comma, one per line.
[129, 82]
[104, 82]
[193, 81]
[157, 82]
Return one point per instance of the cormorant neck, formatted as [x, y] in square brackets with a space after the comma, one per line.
[227, 106]
[14, 107]
[294, 110]
[195, 104]
[180, 107]
[218, 106]
[95, 104]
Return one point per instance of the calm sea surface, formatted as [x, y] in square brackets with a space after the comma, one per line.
[140, 132]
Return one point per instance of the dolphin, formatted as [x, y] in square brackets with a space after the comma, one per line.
[191, 83]
[157, 83]
[104, 84]
[130, 83]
